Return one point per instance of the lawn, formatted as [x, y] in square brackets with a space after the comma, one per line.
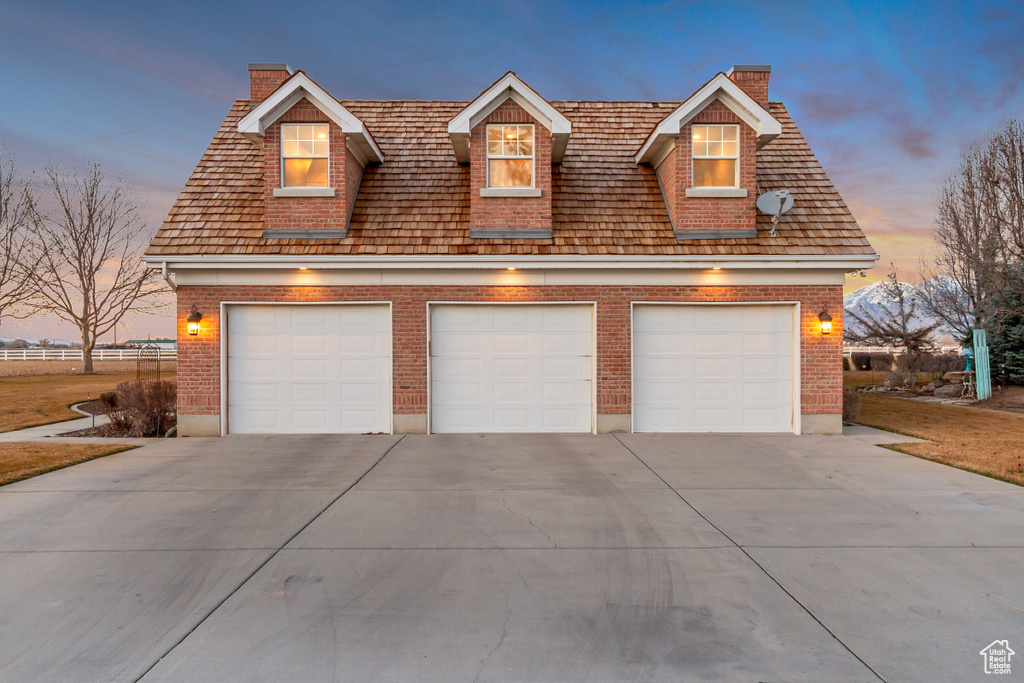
[23, 460]
[987, 442]
[42, 399]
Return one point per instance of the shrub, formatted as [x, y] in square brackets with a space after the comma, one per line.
[846, 364]
[109, 400]
[938, 364]
[881, 362]
[861, 361]
[851, 404]
[144, 408]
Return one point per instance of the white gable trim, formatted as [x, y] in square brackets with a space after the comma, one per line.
[720, 88]
[358, 139]
[509, 86]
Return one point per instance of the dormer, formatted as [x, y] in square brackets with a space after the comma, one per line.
[705, 155]
[510, 136]
[314, 153]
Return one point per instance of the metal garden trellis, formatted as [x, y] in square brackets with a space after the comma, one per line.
[147, 366]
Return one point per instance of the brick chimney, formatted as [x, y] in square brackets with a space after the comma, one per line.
[264, 79]
[753, 78]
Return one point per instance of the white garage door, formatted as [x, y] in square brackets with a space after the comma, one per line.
[513, 368]
[713, 368]
[311, 369]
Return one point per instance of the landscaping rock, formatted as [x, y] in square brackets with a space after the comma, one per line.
[950, 391]
[954, 376]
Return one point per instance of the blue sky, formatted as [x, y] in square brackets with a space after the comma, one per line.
[886, 93]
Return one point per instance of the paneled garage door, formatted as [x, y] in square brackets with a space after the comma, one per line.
[309, 369]
[708, 368]
[511, 368]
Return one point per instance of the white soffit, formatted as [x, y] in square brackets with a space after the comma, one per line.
[509, 86]
[721, 88]
[298, 86]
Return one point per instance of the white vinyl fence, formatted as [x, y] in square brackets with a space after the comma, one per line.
[897, 350]
[76, 354]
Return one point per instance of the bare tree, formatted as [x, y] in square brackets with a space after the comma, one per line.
[89, 250]
[16, 266]
[896, 326]
[974, 281]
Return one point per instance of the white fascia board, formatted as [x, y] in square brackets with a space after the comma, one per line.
[509, 86]
[731, 95]
[477, 261]
[254, 124]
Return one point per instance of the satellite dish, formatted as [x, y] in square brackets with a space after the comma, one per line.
[775, 204]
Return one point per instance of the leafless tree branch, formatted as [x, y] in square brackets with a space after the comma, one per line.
[17, 268]
[89, 250]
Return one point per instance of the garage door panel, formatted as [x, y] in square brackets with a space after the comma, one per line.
[508, 344]
[508, 368]
[522, 368]
[308, 369]
[306, 393]
[565, 368]
[512, 392]
[256, 393]
[713, 368]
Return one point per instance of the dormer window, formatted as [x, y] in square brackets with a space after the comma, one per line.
[716, 156]
[305, 152]
[510, 155]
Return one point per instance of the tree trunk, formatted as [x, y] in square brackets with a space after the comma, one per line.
[87, 345]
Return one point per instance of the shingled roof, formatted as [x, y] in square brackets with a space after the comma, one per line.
[417, 202]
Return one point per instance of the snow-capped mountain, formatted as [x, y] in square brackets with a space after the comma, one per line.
[875, 300]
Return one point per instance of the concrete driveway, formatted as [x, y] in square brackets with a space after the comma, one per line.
[527, 558]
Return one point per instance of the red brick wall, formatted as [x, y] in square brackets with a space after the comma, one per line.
[754, 83]
[307, 213]
[717, 213]
[510, 212]
[667, 177]
[821, 357]
[262, 83]
[353, 176]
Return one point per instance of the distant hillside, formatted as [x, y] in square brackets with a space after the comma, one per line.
[35, 342]
[873, 300]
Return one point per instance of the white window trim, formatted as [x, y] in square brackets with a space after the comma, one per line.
[532, 158]
[708, 156]
[310, 156]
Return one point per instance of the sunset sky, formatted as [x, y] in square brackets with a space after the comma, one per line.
[887, 94]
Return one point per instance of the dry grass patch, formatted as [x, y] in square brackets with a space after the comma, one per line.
[983, 441]
[23, 460]
[38, 400]
[24, 368]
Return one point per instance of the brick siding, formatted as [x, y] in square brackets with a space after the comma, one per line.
[262, 83]
[754, 83]
[710, 213]
[820, 357]
[309, 213]
[510, 212]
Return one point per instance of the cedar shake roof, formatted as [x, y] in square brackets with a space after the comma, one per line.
[417, 201]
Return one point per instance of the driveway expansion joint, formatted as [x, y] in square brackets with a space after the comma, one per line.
[756, 563]
[270, 557]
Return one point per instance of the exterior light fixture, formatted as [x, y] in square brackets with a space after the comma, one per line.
[193, 321]
[303, 268]
[510, 268]
[716, 267]
[826, 321]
